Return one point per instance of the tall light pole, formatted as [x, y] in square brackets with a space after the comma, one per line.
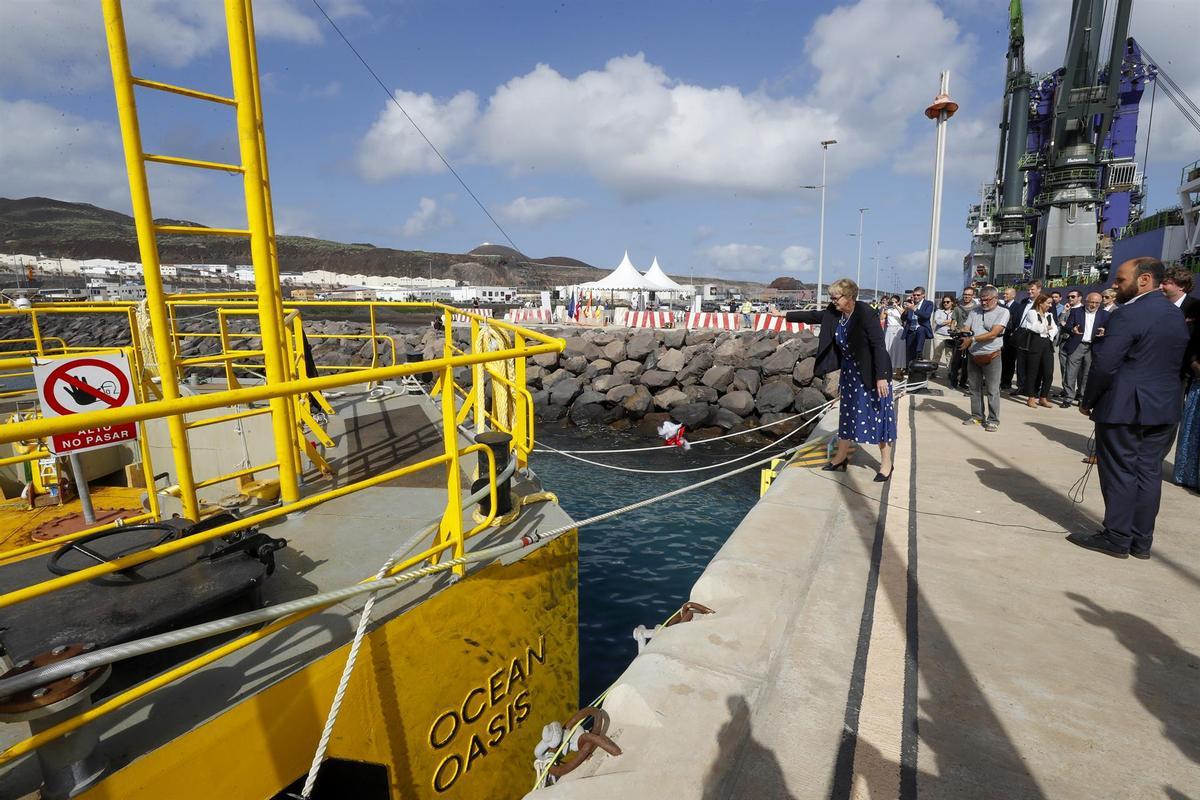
[858, 277]
[821, 237]
[941, 109]
[877, 243]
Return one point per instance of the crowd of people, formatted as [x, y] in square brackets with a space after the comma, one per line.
[1128, 357]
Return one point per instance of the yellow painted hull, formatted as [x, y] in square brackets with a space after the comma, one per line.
[450, 697]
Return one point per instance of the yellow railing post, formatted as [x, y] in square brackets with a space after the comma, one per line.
[452, 528]
[37, 332]
[266, 279]
[143, 217]
[223, 331]
[518, 400]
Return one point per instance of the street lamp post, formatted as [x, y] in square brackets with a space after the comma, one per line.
[877, 243]
[858, 277]
[821, 236]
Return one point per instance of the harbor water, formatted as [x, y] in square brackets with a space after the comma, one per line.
[638, 568]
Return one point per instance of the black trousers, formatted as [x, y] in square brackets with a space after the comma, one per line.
[958, 368]
[1129, 460]
[1008, 362]
[1039, 368]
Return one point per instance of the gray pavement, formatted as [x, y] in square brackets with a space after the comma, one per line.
[936, 639]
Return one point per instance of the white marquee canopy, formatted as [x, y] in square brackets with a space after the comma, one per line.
[624, 277]
[662, 282]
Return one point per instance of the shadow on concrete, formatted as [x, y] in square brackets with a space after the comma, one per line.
[1022, 487]
[945, 407]
[1076, 441]
[1167, 677]
[973, 753]
[1176, 567]
[742, 760]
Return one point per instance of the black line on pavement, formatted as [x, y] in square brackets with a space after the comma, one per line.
[843, 769]
[909, 741]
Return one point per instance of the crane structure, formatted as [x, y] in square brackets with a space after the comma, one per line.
[1066, 175]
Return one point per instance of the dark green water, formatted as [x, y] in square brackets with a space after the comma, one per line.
[638, 568]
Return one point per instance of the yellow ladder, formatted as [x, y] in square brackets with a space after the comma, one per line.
[259, 230]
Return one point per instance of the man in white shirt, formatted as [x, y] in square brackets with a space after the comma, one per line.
[1084, 328]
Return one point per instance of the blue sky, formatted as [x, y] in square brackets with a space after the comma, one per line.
[681, 130]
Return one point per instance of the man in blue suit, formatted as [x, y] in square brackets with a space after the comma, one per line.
[1084, 328]
[1134, 396]
[917, 328]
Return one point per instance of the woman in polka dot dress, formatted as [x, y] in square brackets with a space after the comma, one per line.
[852, 341]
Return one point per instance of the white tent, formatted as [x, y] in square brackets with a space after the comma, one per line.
[624, 277]
[662, 282]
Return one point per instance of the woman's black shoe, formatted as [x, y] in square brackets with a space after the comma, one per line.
[881, 478]
[839, 466]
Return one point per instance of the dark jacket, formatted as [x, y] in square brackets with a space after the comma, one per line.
[1134, 378]
[919, 318]
[1015, 313]
[864, 337]
[1076, 318]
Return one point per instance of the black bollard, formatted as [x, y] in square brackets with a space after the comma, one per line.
[498, 442]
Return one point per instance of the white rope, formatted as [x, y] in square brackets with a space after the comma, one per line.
[335, 708]
[820, 410]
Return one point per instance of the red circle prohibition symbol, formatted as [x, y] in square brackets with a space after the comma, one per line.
[60, 374]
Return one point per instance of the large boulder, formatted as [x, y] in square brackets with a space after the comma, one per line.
[533, 375]
[700, 336]
[601, 366]
[581, 346]
[697, 364]
[674, 337]
[803, 373]
[607, 382]
[656, 379]
[669, 398]
[739, 402]
[546, 359]
[809, 398]
[565, 390]
[589, 396]
[551, 412]
[772, 397]
[639, 402]
[731, 351]
[648, 427]
[554, 377]
[541, 398]
[628, 367]
[671, 361]
[782, 361]
[640, 345]
[692, 415]
[583, 413]
[718, 376]
[725, 419]
[618, 394]
[761, 347]
[747, 379]
[701, 394]
[615, 351]
[774, 424]
[806, 344]
[576, 364]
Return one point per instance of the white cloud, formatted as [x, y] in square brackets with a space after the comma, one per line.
[59, 45]
[759, 262]
[530, 210]
[428, 217]
[393, 148]
[798, 258]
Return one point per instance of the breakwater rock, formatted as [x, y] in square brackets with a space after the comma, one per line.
[713, 382]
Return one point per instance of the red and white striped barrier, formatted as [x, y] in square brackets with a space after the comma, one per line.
[722, 320]
[479, 312]
[529, 315]
[649, 319]
[770, 322]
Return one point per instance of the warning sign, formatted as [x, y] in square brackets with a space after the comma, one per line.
[78, 385]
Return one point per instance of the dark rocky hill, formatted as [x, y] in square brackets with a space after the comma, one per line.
[55, 228]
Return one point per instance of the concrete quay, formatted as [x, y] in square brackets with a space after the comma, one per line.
[932, 637]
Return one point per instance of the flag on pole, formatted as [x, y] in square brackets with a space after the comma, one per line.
[571, 306]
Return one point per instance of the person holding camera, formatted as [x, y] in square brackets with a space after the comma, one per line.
[1035, 335]
[985, 328]
[852, 341]
[917, 329]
